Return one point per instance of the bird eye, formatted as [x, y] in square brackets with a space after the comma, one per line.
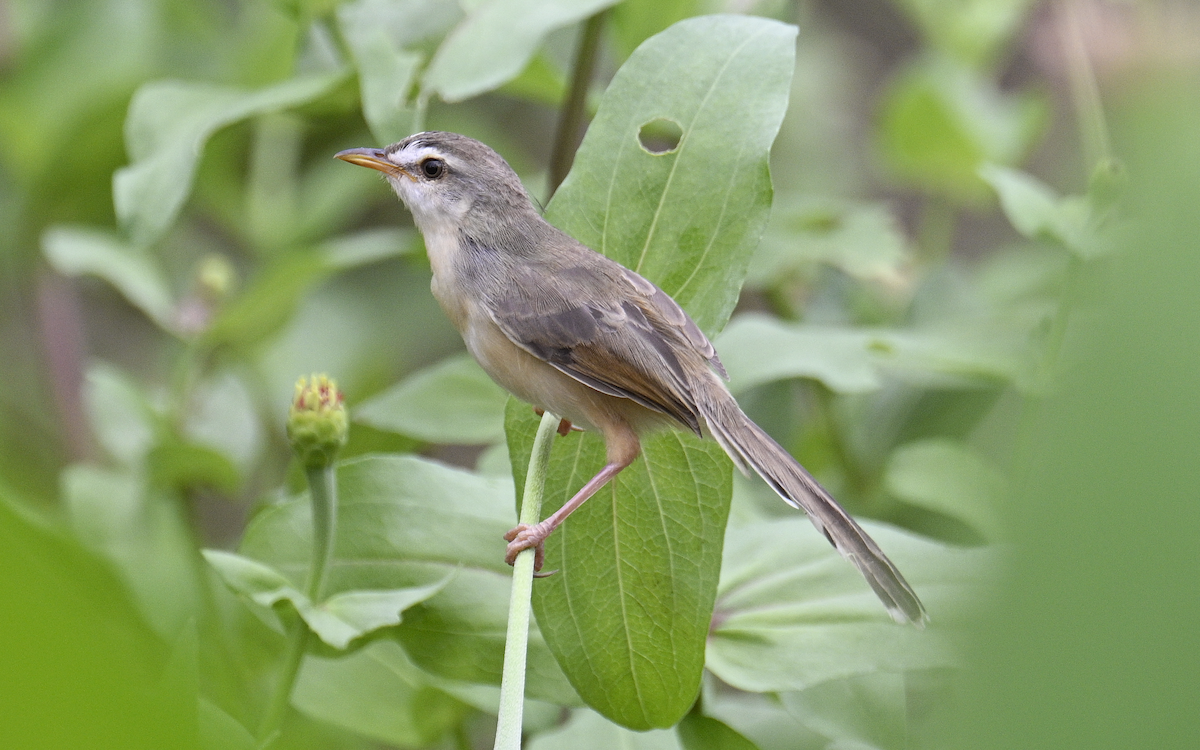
[433, 168]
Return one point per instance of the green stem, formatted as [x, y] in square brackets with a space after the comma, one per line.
[273, 720]
[322, 484]
[516, 644]
[1085, 93]
[566, 140]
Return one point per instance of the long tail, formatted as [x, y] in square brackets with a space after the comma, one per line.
[749, 446]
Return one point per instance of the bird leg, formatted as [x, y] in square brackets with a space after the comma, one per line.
[524, 536]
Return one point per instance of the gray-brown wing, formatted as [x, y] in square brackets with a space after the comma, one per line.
[595, 325]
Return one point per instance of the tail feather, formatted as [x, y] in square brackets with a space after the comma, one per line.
[749, 446]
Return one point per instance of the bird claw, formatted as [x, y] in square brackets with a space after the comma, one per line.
[564, 425]
[523, 537]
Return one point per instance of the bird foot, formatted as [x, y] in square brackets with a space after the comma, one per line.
[523, 537]
[564, 425]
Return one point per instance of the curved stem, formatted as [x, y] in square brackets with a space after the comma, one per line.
[516, 644]
[322, 484]
[566, 140]
[272, 721]
[1085, 92]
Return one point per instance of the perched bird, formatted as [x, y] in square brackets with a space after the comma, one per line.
[566, 329]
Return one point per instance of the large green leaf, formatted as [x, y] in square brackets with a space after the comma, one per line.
[627, 615]
[404, 521]
[496, 41]
[628, 611]
[791, 613]
[688, 218]
[168, 124]
[340, 619]
[453, 401]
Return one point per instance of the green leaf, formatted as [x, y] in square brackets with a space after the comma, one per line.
[339, 619]
[496, 41]
[587, 730]
[699, 732]
[628, 611]
[120, 416]
[269, 302]
[453, 402]
[223, 417]
[947, 477]
[863, 240]
[973, 31]
[386, 72]
[178, 465]
[220, 731]
[366, 247]
[634, 23]
[168, 124]
[627, 614]
[941, 121]
[791, 613]
[541, 82]
[378, 693]
[865, 711]
[1037, 212]
[76, 251]
[758, 349]
[143, 534]
[406, 521]
[690, 218]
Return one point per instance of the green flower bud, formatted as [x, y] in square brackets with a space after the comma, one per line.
[215, 277]
[317, 424]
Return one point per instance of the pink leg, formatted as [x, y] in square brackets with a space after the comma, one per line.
[524, 537]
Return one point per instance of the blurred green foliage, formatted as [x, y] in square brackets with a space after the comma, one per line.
[959, 317]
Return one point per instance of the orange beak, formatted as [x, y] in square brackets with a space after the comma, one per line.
[373, 158]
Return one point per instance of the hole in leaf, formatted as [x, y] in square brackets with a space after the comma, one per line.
[660, 135]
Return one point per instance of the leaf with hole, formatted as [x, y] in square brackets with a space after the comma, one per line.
[628, 612]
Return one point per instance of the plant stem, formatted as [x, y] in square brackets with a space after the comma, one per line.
[516, 644]
[566, 140]
[322, 484]
[273, 720]
[1085, 93]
